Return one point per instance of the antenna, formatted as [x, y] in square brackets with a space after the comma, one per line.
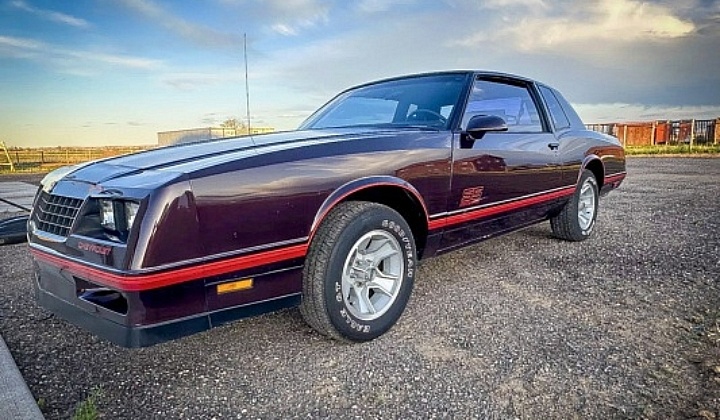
[247, 85]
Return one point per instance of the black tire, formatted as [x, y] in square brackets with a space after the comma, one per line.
[334, 300]
[576, 220]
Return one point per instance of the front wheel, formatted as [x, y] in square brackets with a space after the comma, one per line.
[576, 220]
[359, 272]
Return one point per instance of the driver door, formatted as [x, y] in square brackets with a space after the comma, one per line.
[503, 180]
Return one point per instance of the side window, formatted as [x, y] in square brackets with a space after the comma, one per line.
[557, 114]
[512, 103]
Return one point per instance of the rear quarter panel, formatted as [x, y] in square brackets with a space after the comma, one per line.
[579, 147]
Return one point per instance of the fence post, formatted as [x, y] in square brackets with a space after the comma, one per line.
[652, 133]
[692, 133]
[625, 135]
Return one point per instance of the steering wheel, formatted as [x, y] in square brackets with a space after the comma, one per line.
[426, 115]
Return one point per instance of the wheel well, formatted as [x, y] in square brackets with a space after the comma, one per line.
[402, 202]
[596, 167]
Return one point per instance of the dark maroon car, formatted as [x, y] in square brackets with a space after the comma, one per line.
[332, 217]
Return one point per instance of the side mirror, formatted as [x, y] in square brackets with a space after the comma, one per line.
[481, 124]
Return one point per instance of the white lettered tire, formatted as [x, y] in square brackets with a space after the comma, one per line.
[359, 272]
[576, 220]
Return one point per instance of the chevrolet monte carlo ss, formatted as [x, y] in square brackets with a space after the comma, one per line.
[332, 217]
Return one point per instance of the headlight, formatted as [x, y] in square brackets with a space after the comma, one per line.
[108, 218]
[107, 215]
[131, 209]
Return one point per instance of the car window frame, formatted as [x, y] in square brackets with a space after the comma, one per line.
[541, 89]
[530, 86]
[575, 121]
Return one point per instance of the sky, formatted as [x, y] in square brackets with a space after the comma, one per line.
[115, 72]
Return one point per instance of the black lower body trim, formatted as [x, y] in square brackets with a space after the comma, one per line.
[148, 335]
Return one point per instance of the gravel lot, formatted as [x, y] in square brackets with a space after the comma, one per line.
[624, 325]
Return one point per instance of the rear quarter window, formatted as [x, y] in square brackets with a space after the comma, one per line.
[557, 114]
[570, 113]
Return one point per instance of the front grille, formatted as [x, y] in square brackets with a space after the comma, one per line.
[55, 214]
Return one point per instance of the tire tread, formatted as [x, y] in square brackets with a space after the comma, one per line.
[313, 307]
[565, 225]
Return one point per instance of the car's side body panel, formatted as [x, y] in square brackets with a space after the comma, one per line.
[224, 227]
[278, 200]
[498, 169]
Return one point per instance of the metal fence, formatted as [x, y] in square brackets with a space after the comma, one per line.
[663, 132]
[28, 159]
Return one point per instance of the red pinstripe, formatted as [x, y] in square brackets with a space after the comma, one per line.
[139, 282]
[496, 209]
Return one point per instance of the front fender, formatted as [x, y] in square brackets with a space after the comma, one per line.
[358, 185]
[170, 231]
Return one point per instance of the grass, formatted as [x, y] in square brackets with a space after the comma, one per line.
[682, 149]
[87, 409]
[25, 172]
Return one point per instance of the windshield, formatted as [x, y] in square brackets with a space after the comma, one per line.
[427, 101]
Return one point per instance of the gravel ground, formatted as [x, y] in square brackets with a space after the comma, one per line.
[624, 325]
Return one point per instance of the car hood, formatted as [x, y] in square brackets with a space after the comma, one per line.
[172, 161]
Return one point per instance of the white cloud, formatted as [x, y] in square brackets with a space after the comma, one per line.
[298, 9]
[284, 29]
[196, 33]
[503, 4]
[583, 25]
[620, 112]
[20, 43]
[72, 59]
[379, 6]
[286, 17]
[50, 14]
[119, 60]
[193, 80]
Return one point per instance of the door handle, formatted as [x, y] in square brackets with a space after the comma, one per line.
[553, 146]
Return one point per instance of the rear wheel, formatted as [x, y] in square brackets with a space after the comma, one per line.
[577, 219]
[359, 272]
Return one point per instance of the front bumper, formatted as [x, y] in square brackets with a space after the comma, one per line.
[123, 335]
[148, 317]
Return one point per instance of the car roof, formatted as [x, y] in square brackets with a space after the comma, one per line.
[484, 73]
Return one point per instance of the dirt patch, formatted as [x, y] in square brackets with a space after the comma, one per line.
[624, 325]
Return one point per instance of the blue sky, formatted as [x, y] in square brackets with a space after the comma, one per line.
[115, 72]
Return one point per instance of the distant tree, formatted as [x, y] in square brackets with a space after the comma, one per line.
[232, 123]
